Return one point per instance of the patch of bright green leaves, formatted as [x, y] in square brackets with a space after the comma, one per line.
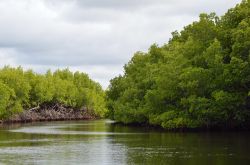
[21, 90]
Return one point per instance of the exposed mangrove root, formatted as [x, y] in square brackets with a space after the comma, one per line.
[50, 113]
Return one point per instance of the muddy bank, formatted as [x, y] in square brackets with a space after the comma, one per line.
[50, 113]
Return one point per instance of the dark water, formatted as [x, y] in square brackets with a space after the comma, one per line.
[99, 142]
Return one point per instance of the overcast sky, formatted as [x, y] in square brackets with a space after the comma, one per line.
[93, 36]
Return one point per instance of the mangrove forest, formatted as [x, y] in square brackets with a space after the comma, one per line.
[199, 79]
[23, 91]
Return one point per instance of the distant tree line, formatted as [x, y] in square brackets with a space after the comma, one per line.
[22, 90]
[199, 79]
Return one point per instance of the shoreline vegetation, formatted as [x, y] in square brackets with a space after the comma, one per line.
[200, 79]
[26, 96]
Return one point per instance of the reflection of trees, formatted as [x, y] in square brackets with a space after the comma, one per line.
[184, 148]
[127, 145]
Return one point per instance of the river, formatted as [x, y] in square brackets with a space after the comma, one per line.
[101, 142]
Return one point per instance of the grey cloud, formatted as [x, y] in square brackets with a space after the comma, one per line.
[95, 36]
[110, 4]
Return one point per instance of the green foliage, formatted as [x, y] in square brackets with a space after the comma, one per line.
[200, 78]
[8, 103]
[15, 79]
[25, 89]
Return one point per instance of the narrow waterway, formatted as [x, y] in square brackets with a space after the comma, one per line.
[101, 142]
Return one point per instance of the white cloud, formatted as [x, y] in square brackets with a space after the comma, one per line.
[93, 36]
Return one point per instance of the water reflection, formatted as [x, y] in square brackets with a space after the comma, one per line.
[101, 142]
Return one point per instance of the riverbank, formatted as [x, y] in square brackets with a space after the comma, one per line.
[216, 128]
[51, 113]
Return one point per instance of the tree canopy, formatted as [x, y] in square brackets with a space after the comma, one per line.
[199, 79]
[21, 90]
